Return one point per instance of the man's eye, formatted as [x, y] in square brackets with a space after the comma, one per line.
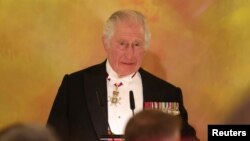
[122, 43]
[137, 44]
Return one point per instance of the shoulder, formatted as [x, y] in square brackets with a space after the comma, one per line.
[92, 70]
[160, 89]
[155, 81]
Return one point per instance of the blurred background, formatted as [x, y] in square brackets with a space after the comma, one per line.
[202, 46]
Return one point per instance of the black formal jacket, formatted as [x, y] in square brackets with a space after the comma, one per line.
[77, 116]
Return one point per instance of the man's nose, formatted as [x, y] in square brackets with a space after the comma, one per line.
[130, 52]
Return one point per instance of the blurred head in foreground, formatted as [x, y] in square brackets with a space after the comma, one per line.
[22, 132]
[153, 125]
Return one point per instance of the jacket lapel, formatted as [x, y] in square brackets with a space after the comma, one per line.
[145, 87]
[95, 88]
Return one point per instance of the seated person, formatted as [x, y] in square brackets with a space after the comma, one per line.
[153, 125]
[23, 132]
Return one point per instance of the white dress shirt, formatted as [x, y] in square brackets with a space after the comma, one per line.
[120, 113]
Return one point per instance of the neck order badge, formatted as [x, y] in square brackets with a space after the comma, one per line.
[115, 99]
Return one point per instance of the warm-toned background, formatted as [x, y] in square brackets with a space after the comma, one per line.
[202, 46]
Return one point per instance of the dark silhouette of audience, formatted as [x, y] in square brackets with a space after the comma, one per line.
[153, 125]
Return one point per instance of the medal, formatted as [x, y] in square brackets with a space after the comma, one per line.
[171, 108]
[115, 99]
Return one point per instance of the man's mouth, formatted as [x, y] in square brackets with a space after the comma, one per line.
[127, 63]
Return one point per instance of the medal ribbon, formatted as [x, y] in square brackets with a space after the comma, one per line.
[117, 85]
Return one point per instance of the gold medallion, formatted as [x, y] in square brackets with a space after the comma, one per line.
[115, 99]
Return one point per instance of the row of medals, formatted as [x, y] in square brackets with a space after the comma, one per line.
[173, 110]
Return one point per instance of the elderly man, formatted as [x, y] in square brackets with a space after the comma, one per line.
[95, 101]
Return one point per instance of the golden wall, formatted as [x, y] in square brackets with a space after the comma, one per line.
[202, 46]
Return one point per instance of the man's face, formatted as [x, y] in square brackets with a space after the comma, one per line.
[126, 48]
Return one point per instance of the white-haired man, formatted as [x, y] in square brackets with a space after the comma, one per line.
[95, 101]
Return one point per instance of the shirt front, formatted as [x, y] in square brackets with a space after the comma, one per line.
[119, 112]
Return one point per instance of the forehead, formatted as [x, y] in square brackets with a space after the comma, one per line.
[124, 28]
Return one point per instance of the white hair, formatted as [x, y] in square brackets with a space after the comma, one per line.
[126, 15]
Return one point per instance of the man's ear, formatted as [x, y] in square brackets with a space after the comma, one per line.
[104, 42]
[145, 52]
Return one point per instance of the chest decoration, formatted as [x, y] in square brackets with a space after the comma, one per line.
[167, 107]
[115, 98]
